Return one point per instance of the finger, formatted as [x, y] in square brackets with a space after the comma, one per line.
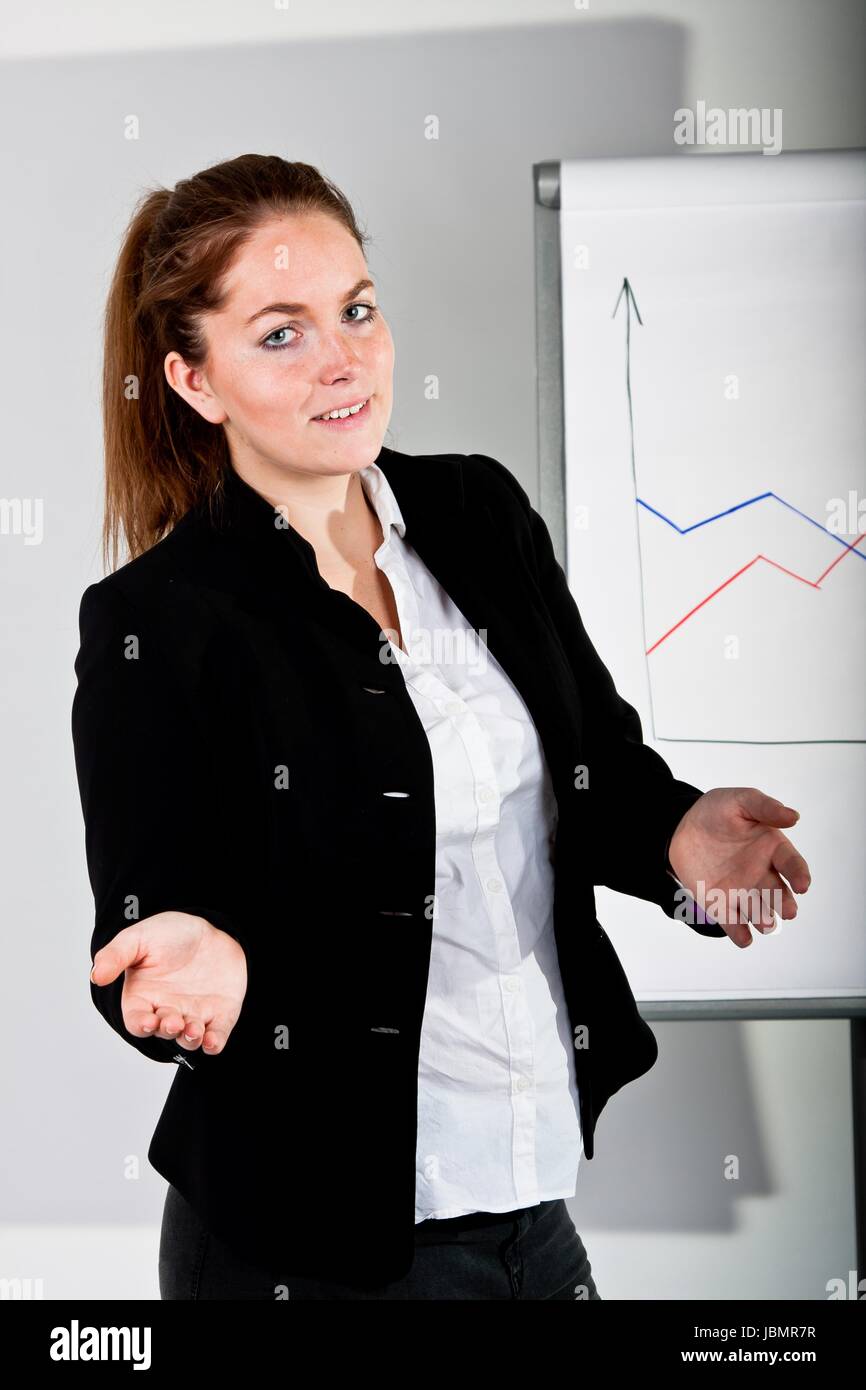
[740, 935]
[169, 1021]
[781, 899]
[754, 910]
[759, 904]
[735, 923]
[191, 1036]
[768, 810]
[791, 863]
[142, 1023]
[117, 955]
[217, 1033]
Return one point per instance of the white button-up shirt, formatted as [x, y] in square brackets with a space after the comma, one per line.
[498, 1109]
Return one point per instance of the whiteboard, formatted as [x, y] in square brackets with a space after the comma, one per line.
[713, 460]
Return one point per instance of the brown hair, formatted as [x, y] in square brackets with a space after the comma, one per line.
[161, 456]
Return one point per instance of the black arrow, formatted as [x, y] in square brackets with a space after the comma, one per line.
[629, 301]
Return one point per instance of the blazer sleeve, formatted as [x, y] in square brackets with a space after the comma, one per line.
[634, 802]
[144, 778]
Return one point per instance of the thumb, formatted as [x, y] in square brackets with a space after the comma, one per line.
[768, 810]
[120, 952]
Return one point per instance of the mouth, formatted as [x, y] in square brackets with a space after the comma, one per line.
[346, 422]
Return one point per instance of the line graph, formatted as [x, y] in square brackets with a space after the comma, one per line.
[732, 561]
[849, 548]
[626, 296]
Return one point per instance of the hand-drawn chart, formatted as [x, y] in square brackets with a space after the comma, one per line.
[714, 386]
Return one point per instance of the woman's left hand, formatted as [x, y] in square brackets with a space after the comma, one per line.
[730, 842]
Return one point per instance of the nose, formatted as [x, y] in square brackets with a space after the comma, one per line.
[340, 358]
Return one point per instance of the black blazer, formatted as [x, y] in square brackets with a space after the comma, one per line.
[236, 770]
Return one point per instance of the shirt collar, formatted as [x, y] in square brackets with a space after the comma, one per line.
[383, 500]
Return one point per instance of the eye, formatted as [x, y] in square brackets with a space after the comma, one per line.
[276, 347]
[371, 314]
[372, 311]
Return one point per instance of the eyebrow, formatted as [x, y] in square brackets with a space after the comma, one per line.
[302, 308]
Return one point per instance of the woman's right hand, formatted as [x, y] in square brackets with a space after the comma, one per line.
[185, 979]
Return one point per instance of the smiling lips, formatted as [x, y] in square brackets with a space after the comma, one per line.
[342, 414]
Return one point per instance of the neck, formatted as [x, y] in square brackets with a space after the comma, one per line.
[329, 510]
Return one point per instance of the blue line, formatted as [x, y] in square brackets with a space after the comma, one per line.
[683, 530]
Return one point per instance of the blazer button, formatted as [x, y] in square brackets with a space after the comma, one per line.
[373, 690]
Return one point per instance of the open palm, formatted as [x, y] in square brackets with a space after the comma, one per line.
[731, 841]
[184, 979]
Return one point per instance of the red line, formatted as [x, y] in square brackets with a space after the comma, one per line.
[813, 584]
[840, 557]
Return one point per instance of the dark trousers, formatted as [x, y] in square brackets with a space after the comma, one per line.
[531, 1252]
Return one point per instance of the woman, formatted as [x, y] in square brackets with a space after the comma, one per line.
[350, 768]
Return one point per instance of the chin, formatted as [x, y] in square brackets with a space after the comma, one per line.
[354, 452]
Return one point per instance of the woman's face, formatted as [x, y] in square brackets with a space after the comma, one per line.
[299, 335]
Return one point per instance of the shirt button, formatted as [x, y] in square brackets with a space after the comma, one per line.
[494, 884]
[523, 1082]
[511, 984]
[486, 794]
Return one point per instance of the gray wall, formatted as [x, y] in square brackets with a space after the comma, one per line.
[452, 224]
